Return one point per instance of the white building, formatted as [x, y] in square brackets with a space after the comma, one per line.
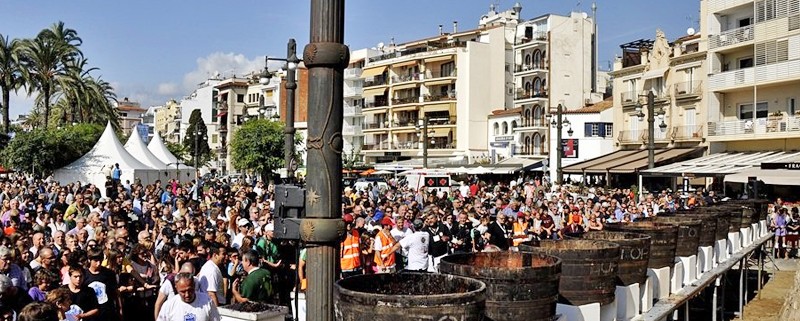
[590, 134]
[503, 139]
[352, 129]
[201, 99]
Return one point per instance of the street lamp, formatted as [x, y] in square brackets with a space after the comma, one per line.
[422, 125]
[197, 138]
[291, 84]
[558, 123]
[651, 119]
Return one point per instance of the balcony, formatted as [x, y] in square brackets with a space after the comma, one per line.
[377, 81]
[352, 131]
[405, 78]
[764, 74]
[352, 73]
[376, 104]
[523, 94]
[529, 151]
[420, 51]
[405, 122]
[688, 89]
[535, 37]
[376, 125]
[731, 79]
[371, 146]
[433, 98]
[660, 135]
[443, 120]
[521, 68]
[771, 127]
[688, 133]
[718, 5]
[352, 91]
[631, 136]
[405, 100]
[406, 145]
[731, 37]
[630, 98]
[350, 111]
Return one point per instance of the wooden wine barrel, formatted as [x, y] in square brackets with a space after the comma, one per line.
[663, 240]
[634, 254]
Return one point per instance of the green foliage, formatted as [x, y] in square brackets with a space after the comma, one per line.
[258, 145]
[45, 150]
[196, 125]
[179, 151]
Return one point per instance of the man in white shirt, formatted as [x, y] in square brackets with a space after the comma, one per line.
[211, 276]
[188, 305]
[416, 246]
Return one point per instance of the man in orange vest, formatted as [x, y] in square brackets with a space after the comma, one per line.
[384, 242]
[521, 229]
[349, 255]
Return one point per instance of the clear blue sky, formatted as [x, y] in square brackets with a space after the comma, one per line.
[155, 50]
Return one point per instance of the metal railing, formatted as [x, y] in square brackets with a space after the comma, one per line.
[376, 146]
[432, 46]
[532, 66]
[523, 94]
[772, 124]
[529, 151]
[430, 98]
[377, 81]
[438, 73]
[631, 136]
[688, 132]
[536, 36]
[443, 120]
[376, 104]
[376, 125]
[352, 110]
[731, 37]
[352, 72]
[688, 88]
[660, 135]
[405, 100]
[405, 78]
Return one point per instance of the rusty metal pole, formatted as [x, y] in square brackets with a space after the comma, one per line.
[326, 57]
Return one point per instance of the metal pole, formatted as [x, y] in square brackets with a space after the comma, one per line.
[741, 289]
[289, 130]
[651, 130]
[559, 146]
[714, 300]
[760, 267]
[196, 155]
[326, 57]
[425, 142]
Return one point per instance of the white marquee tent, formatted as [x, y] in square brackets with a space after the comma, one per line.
[135, 146]
[94, 166]
[160, 151]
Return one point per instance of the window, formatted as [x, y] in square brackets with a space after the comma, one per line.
[505, 128]
[745, 62]
[597, 129]
[609, 129]
[496, 129]
[448, 69]
[745, 22]
[240, 98]
[765, 10]
[214, 138]
[746, 110]
[791, 106]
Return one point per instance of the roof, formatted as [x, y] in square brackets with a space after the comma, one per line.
[445, 36]
[630, 161]
[136, 146]
[502, 112]
[720, 164]
[595, 108]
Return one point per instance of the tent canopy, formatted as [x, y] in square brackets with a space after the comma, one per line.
[159, 150]
[721, 164]
[630, 161]
[135, 146]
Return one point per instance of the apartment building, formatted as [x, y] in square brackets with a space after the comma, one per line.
[130, 115]
[202, 98]
[353, 123]
[754, 74]
[229, 109]
[450, 82]
[676, 74]
[167, 121]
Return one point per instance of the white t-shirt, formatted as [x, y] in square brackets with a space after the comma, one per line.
[169, 292]
[211, 277]
[201, 309]
[416, 245]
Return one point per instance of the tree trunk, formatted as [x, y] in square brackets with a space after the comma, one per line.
[6, 120]
[46, 107]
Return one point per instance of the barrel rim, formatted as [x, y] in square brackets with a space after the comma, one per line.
[642, 226]
[606, 245]
[480, 291]
[556, 264]
[640, 236]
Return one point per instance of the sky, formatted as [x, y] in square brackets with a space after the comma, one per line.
[152, 51]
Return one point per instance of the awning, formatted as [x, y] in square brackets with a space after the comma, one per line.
[404, 130]
[405, 63]
[721, 163]
[405, 86]
[524, 164]
[440, 58]
[355, 60]
[439, 132]
[655, 73]
[768, 176]
[660, 157]
[372, 72]
[404, 108]
[437, 107]
[375, 110]
[444, 81]
[629, 161]
[373, 91]
[579, 168]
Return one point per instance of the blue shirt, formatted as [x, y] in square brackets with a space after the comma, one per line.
[116, 173]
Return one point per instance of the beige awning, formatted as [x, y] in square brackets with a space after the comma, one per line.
[661, 156]
[445, 81]
[439, 132]
[768, 176]
[404, 130]
[405, 63]
[372, 72]
[440, 58]
[404, 108]
[374, 110]
[655, 73]
[405, 86]
[374, 91]
[438, 107]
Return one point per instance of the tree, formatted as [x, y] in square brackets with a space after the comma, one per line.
[197, 127]
[44, 60]
[180, 152]
[10, 75]
[258, 145]
[43, 150]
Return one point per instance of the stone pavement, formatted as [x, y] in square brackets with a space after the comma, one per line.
[772, 305]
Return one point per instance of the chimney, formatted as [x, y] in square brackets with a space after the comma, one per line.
[440, 30]
[455, 26]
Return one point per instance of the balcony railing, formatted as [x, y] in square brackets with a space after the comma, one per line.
[688, 88]
[430, 98]
[631, 136]
[437, 73]
[529, 151]
[406, 145]
[526, 67]
[536, 36]
[376, 125]
[522, 94]
[377, 81]
[660, 135]
[405, 78]
[731, 37]
[443, 120]
[406, 122]
[405, 100]
[376, 104]
[352, 73]
[352, 131]
[376, 146]
[782, 124]
[353, 91]
[688, 132]
[630, 97]
[430, 47]
[352, 110]
[733, 78]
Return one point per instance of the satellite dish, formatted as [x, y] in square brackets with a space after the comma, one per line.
[381, 45]
[585, 15]
[690, 31]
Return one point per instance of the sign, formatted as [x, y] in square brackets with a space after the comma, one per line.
[499, 144]
[569, 147]
[791, 166]
[503, 138]
[437, 181]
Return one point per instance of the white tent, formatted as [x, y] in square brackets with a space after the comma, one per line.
[96, 165]
[136, 147]
[171, 164]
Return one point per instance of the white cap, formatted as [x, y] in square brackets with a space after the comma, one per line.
[269, 227]
[242, 222]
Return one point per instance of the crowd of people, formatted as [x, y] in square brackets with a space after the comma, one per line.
[167, 250]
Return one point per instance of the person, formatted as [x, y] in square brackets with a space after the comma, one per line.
[104, 283]
[168, 289]
[188, 305]
[439, 240]
[39, 311]
[350, 249]
[116, 174]
[60, 298]
[81, 296]
[211, 276]
[416, 246]
[11, 269]
[12, 296]
[257, 285]
[498, 232]
[384, 242]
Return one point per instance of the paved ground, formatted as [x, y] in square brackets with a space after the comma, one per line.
[774, 293]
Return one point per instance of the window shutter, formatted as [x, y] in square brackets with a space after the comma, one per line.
[587, 129]
[601, 131]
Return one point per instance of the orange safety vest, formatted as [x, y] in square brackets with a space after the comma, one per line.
[520, 233]
[387, 242]
[350, 256]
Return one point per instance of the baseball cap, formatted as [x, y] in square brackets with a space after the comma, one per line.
[387, 221]
[242, 222]
[348, 218]
[269, 227]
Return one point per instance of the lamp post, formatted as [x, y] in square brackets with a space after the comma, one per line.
[651, 129]
[291, 85]
[422, 124]
[197, 139]
[558, 123]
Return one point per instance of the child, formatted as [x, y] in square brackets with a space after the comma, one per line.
[43, 281]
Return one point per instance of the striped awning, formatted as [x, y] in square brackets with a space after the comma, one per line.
[372, 72]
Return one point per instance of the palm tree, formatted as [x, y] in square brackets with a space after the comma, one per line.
[74, 89]
[44, 61]
[10, 76]
[101, 108]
